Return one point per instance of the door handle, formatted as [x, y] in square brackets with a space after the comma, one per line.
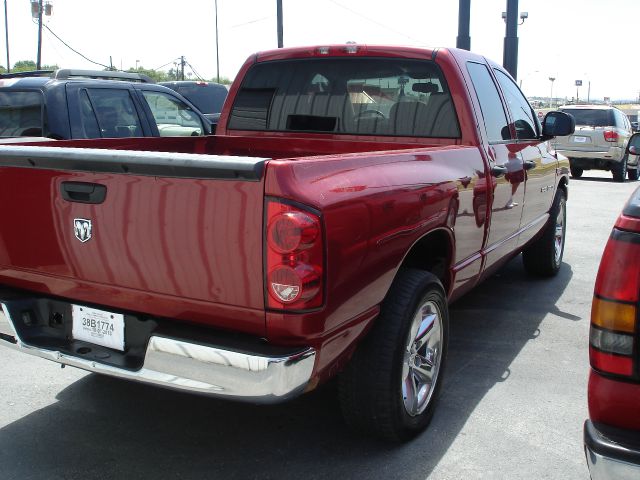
[529, 164]
[498, 170]
[82, 192]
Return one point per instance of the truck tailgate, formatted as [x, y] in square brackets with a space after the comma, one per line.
[175, 235]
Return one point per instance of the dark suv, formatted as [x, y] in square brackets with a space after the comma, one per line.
[207, 96]
[76, 104]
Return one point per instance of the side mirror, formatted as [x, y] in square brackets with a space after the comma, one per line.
[557, 124]
[633, 147]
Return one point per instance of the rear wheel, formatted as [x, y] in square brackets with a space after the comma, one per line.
[576, 172]
[544, 256]
[620, 170]
[390, 387]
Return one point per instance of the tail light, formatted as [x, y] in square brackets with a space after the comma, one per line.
[294, 257]
[610, 135]
[614, 310]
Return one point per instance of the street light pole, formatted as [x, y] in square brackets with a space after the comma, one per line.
[39, 58]
[464, 19]
[551, 79]
[217, 51]
[510, 54]
[6, 33]
[279, 15]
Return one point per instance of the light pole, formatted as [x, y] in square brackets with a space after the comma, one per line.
[38, 9]
[6, 33]
[280, 28]
[551, 79]
[510, 53]
[217, 51]
[137, 62]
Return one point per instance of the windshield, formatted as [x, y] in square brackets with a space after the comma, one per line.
[361, 96]
[593, 118]
[207, 98]
[20, 114]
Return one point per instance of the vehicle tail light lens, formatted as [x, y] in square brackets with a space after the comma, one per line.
[294, 263]
[614, 310]
[610, 136]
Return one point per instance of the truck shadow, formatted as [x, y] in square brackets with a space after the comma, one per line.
[106, 428]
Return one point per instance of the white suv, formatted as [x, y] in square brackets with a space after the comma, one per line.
[599, 142]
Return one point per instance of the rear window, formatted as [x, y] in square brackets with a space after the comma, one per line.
[592, 118]
[21, 114]
[206, 98]
[361, 96]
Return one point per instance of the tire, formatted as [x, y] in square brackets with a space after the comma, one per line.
[620, 170]
[576, 172]
[391, 385]
[632, 173]
[543, 257]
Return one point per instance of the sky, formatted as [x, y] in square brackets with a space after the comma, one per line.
[569, 40]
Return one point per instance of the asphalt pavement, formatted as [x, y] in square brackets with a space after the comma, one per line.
[512, 406]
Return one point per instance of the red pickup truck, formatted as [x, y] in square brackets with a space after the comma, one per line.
[351, 192]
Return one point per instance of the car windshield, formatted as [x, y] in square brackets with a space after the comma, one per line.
[207, 98]
[20, 114]
[591, 117]
[359, 96]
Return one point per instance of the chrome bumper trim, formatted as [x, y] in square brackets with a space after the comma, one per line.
[186, 366]
[606, 468]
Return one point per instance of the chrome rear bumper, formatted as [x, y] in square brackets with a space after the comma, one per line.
[213, 370]
[611, 458]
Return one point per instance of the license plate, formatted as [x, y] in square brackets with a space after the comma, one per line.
[580, 139]
[98, 326]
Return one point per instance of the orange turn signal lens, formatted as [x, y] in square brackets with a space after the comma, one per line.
[620, 317]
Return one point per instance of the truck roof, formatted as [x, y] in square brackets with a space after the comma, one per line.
[348, 49]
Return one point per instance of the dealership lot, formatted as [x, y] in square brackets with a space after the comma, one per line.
[513, 402]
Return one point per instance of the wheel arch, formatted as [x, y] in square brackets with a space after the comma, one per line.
[433, 253]
[563, 185]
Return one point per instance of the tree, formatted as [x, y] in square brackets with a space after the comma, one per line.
[29, 65]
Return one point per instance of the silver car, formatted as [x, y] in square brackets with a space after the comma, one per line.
[599, 141]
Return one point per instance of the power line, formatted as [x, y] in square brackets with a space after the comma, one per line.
[195, 72]
[168, 63]
[376, 22]
[73, 49]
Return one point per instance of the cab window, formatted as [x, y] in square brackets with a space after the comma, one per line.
[495, 119]
[173, 117]
[522, 114]
[114, 111]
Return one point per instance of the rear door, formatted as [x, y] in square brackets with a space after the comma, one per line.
[97, 110]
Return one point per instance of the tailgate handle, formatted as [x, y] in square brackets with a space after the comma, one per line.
[82, 192]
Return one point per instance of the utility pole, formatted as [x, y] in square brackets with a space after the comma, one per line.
[510, 55]
[279, 15]
[464, 19]
[217, 51]
[182, 67]
[38, 9]
[39, 59]
[6, 33]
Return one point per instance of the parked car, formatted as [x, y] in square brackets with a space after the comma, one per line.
[76, 104]
[612, 433]
[634, 126]
[317, 234]
[599, 142]
[209, 97]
